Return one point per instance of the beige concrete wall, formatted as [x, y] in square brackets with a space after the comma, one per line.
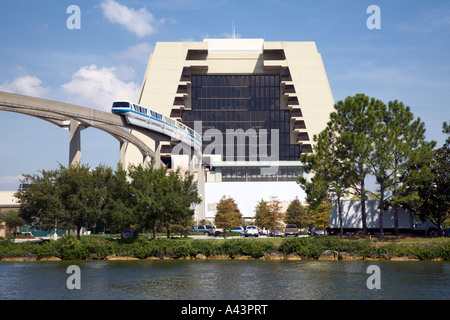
[311, 84]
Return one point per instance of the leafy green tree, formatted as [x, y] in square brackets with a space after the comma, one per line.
[118, 210]
[352, 122]
[398, 140]
[40, 204]
[179, 199]
[331, 171]
[147, 191]
[228, 215]
[13, 221]
[162, 198]
[433, 194]
[408, 147]
[295, 213]
[82, 194]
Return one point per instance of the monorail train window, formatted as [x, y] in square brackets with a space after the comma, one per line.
[121, 104]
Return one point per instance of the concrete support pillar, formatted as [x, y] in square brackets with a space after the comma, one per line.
[191, 160]
[201, 214]
[75, 142]
[158, 162]
[147, 160]
[123, 149]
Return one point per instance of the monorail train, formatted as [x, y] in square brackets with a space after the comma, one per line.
[144, 117]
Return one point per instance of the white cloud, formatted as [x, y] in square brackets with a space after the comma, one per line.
[140, 52]
[141, 22]
[26, 85]
[95, 87]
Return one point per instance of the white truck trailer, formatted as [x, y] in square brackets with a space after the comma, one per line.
[352, 221]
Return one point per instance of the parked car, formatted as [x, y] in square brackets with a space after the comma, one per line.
[446, 232]
[276, 233]
[315, 231]
[291, 230]
[239, 230]
[203, 229]
[251, 231]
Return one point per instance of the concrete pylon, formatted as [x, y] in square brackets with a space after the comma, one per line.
[158, 162]
[75, 142]
[123, 150]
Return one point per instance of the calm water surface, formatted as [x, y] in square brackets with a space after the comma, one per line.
[224, 280]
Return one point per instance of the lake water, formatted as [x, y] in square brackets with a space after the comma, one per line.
[225, 280]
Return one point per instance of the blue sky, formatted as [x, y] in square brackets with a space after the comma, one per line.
[408, 59]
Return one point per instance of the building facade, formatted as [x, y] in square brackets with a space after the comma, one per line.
[257, 105]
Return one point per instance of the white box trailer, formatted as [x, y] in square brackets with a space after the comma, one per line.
[352, 219]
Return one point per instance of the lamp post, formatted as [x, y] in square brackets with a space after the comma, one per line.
[55, 235]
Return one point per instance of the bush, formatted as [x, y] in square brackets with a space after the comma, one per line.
[70, 248]
[254, 248]
[313, 247]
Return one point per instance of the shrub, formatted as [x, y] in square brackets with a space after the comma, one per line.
[254, 248]
[70, 248]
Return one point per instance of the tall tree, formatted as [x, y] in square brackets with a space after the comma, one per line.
[398, 141]
[433, 193]
[353, 121]
[262, 213]
[180, 195]
[268, 214]
[295, 213]
[147, 191]
[408, 146]
[81, 194]
[118, 212]
[330, 171]
[228, 214]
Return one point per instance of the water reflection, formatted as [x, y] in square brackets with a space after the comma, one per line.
[225, 280]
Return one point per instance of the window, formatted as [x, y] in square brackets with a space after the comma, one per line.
[244, 101]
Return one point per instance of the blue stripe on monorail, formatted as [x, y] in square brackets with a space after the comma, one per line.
[123, 111]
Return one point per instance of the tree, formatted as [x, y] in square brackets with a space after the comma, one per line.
[162, 198]
[147, 192]
[228, 215]
[180, 196]
[352, 122]
[82, 194]
[269, 215]
[397, 142]
[433, 194]
[13, 221]
[40, 204]
[295, 213]
[262, 213]
[319, 216]
[331, 171]
[119, 207]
